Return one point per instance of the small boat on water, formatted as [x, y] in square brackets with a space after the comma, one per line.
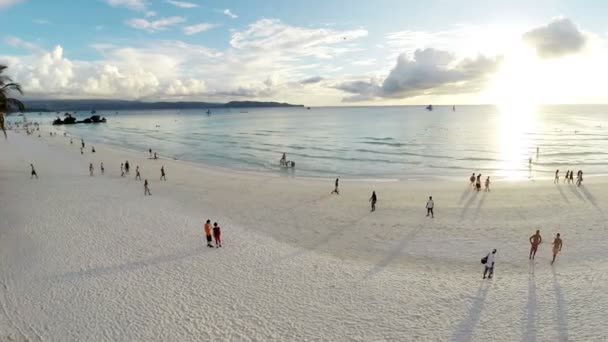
[429, 108]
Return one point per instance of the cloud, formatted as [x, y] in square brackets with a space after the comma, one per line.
[135, 5]
[8, 3]
[182, 4]
[312, 80]
[273, 35]
[156, 25]
[19, 43]
[558, 38]
[430, 71]
[198, 28]
[230, 14]
[41, 21]
[150, 14]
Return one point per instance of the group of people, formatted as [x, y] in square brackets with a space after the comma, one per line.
[535, 240]
[476, 182]
[214, 231]
[569, 177]
[286, 163]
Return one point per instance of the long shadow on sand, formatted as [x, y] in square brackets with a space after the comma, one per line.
[394, 253]
[561, 192]
[467, 205]
[528, 333]
[576, 193]
[560, 309]
[466, 193]
[323, 240]
[479, 205]
[466, 328]
[131, 266]
[589, 196]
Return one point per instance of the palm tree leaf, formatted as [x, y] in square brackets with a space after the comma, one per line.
[11, 86]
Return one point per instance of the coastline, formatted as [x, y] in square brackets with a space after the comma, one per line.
[297, 262]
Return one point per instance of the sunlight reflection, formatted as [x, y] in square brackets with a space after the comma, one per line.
[516, 145]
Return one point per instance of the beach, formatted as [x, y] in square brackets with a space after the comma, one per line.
[91, 258]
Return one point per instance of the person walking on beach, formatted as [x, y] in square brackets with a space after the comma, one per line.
[487, 184]
[208, 233]
[490, 261]
[82, 150]
[155, 157]
[146, 188]
[90, 169]
[535, 240]
[429, 207]
[217, 235]
[579, 178]
[472, 179]
[571, 180]
[33, 173]
[71, 141]
[137, 174]
[478, 182]
[336, 188]
[82, 142]
[163, 176]
[567, 176]
[373, 199]
[556, 180]
[557, 247]
[102, 168]
[92, 149]
[127, 167]
[150, 152]
[122, 170]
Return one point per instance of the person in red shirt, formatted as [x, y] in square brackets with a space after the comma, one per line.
[217, 235]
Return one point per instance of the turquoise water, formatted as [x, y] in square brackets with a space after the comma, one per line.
[368, 142]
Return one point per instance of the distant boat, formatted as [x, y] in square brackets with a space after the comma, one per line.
[307, 108]
[429, 108]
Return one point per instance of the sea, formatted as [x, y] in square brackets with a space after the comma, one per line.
[371, 143]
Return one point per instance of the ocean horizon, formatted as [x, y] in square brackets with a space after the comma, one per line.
[384, 142]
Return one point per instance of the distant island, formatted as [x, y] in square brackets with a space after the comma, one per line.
[97, 105]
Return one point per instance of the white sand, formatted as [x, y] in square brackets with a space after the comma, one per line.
[90, 258]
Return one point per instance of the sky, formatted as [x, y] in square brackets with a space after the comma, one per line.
[314, 52]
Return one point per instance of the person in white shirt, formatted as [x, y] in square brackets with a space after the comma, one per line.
[490, 265]
[429, 207]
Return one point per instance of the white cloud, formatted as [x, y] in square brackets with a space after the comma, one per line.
[8, 3]
[135, 5]
[156, 25]
[430, 71]
[41, 21]
[182, 4]
[150, 14]
[273, 35]
[230, 14]
[198, 28]
[558, 38]
[19, 43]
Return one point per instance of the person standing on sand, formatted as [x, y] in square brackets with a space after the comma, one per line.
[82, 142]
[90, 169]
[33, 173]
[336, 188]
[567, 176]
[579, 179]
[150, 152]
[127, 167]
[71, 141]
[208, 233]
[146, 188]
[556, 179]
[81, 150]
[487, 184]
[163, 176]
[490, 261]
[137, 174]
[102, 168]
[155, 157]
[373, 199]
[472, 179]
[122, 170]
[571, 180]
[478, 182]
[92, 149]
[557, 247]
[429, 207]
[217, 235]
[535, 240]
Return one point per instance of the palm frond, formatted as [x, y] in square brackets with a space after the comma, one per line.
[11, 86]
